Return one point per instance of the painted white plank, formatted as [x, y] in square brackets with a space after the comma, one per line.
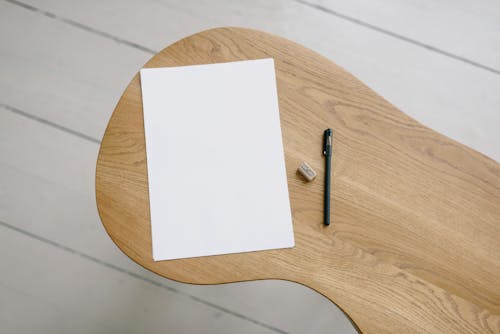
[47, 189]
[47, 185]
[48, 290]
[452, 97]
[288, 306]
[469, 29]
[62, 73]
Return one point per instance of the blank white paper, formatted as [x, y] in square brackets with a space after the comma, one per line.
[216, 166]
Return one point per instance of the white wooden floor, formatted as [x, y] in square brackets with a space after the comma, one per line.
[63, 66]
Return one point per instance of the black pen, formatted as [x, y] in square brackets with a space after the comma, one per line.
[327, 152]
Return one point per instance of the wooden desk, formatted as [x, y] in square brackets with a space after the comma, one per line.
[414, 245]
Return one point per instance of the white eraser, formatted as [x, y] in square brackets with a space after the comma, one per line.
[307, 171]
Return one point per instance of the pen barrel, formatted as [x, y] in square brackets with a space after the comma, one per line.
[326, 211]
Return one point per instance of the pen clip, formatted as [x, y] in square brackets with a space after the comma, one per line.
[327, 142]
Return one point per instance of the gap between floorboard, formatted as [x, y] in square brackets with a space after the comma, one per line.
[134, 275]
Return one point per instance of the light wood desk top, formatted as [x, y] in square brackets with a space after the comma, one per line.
[414, 245]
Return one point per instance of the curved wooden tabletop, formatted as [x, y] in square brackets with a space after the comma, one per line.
[414, 245]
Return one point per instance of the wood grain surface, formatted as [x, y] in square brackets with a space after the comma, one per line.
[414, 245]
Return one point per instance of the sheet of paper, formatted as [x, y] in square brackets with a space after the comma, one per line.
[216, 167]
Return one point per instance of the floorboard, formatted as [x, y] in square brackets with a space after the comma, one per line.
[48, 290]
[467, 30]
